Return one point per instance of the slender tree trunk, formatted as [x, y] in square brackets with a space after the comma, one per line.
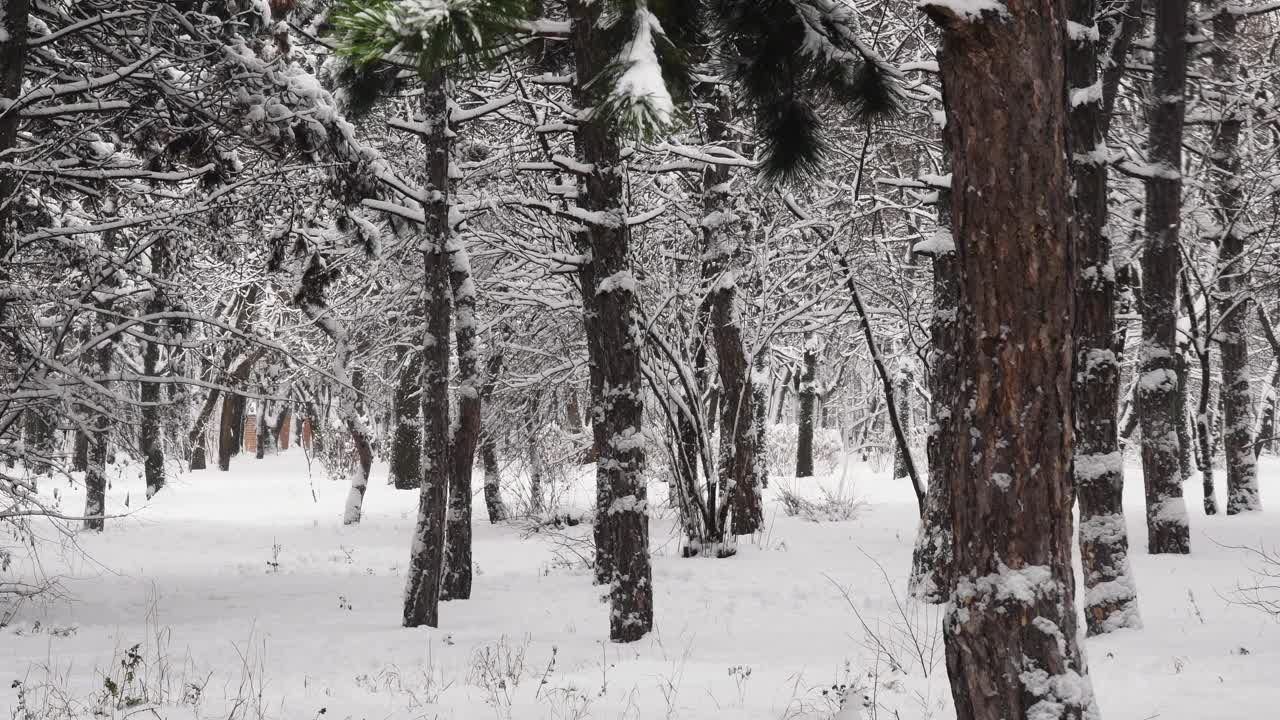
[149, 391]
[533, 449]
[488, 448]
[492, 481]
[759, 391]
[1204, 430]
[263, 428]
[1187, 445]
[1233, 280]
[613, 344]
[1012, 653]
[808, 394]
[1097, 464]
[902, 399]
[931, 561]
[457, 572]
[426, 562]
[95, 478]
[1167, 527]
[739, 490]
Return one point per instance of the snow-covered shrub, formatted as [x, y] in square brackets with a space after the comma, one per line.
[823, 505]
[780, 448]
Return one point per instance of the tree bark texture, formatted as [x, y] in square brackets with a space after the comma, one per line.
[426, 561]
[406, 444]
[614, 347]
[1167, 527]
[457, 571]
[149, 391]
[1098, 463]
[808, 394]
[1233, 280]
[1010, 630]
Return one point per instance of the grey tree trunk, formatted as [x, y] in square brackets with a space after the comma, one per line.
[426, 560]
[613, 346]
[1098, 463]
[1158, 387]
[457, 572]
[808, 394]
[406, 444]
[149, 390]
[1233, 275]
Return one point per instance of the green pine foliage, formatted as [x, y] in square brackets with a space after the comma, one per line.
[434, 34]
[792, 57]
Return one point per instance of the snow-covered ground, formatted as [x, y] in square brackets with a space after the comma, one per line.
[248, 598]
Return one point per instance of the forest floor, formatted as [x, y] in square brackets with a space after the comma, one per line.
[247, 598]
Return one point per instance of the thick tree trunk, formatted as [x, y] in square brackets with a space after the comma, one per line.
[426, 561]
[406, 445]
[808, 393]
[149, 391]
[457, 571]
[1097, 464]
[1233, 280]
[1167, 527]
[1011, 636]
[613, 344]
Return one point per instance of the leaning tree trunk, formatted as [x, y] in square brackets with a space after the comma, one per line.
[1233, 280]
[1110, 600]
[149, 389]
[426, 562]
[808, 393]
[1010, 631]
[613, 345]
[457, 564]
[1167, 527]
[902, 403]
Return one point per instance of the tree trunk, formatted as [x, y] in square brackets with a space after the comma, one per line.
[1010, 631]
[1167, 528]
[149, 390]
[739, 489]
[808, 394]
[426, 562]
[931, 559]
[902, 400]
[497, 509]
[614, 347]
[406, 445]
[1204, 430]
[759, 391]
[1110, 600]
[1233, 273]
[492, 481]
[13, 58]
[457, 572]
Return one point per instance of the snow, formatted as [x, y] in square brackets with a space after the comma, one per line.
[247, 582]
[967, 10]
[641, 88]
